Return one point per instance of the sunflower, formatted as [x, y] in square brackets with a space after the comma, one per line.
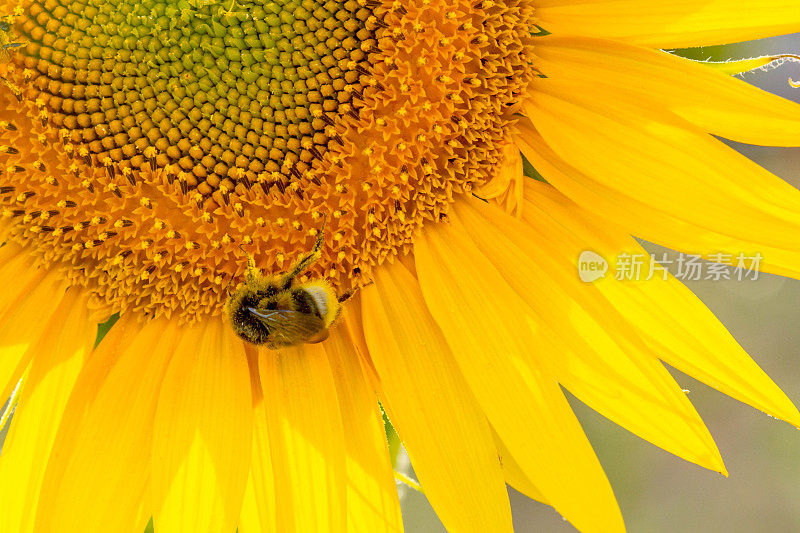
[148, 147]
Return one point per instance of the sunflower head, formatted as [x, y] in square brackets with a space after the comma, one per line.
[154, 140]
[148, 148]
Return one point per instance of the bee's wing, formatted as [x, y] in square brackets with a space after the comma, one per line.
[288, 327]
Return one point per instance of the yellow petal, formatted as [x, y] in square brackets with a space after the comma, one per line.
[681, 329]
[595, 353]
[97, 480]
[717, 103]
[507, 182]
[372, 501]
[24, 322]
[59, 357]
[665, 163]
[673, 24]
[514, 474]
[490, 330]
[444, 431]
[258, 509]
[17, 274]
[638, 218]
[306, 439]
[202, 433]
[353, 321]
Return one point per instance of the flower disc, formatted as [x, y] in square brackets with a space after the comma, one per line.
[150, 144]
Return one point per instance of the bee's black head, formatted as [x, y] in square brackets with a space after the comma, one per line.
[244, 323]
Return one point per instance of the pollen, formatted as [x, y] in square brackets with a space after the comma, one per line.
[148, 146]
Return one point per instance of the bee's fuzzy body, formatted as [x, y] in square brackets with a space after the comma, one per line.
[277, 311]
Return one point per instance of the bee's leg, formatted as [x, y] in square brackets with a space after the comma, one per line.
[346, 296]
[252, 273]
[302, 264]
[338, 313]
[349, 294]
[228, 287]
[305, 261]
[252, 270]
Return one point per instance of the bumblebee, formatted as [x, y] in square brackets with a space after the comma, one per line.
[277, 311]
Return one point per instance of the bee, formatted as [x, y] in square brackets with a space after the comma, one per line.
[278, 311]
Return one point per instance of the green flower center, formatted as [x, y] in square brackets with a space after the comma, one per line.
[222, 90]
